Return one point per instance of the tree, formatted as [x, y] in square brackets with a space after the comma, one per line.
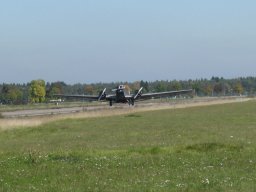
[238, 88]
[144, 85]
[196, 87]
[54, 88]
[11, 94]
[160, 86]
[218, 88]
[208, 89]
[135, 86]
[175, 85]
[37, 91]
[88, 89]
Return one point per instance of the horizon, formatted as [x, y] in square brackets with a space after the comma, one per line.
[116, 82]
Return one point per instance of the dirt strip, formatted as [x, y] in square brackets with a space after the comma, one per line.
[31, 121]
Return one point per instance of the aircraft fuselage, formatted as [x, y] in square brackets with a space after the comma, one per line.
[120, 96]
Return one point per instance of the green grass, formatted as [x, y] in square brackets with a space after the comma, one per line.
[209, 148]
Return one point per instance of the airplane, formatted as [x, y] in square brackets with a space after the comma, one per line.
[121, 97]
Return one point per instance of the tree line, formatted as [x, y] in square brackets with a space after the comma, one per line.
[38, 91]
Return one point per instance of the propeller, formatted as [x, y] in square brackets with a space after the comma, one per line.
[102, 94]
[138, 93]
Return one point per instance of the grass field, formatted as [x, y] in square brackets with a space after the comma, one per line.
[210, 148]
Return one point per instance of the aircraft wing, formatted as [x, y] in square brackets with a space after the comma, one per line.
[87, 97]
[164, 94]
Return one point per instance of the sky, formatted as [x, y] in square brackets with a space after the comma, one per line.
[89, 41]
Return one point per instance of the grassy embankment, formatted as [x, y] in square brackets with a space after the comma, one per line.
[209, 148]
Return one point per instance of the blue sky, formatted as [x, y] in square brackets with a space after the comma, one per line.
[126, 40]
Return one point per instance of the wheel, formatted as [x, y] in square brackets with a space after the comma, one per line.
[132, 102]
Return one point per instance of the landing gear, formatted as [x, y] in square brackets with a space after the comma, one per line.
[131, 102]
[110, 103]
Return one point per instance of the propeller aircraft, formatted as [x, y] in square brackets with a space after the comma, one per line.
[121, 97]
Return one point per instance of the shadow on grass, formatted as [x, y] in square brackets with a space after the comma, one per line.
[209, 147]
[35, 157]
[68, 158]
[133, 115]
[143, 151]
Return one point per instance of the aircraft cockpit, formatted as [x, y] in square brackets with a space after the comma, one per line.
[121, 87]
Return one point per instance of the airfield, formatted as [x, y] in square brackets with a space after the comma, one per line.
[200, 144]
[35, 117]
